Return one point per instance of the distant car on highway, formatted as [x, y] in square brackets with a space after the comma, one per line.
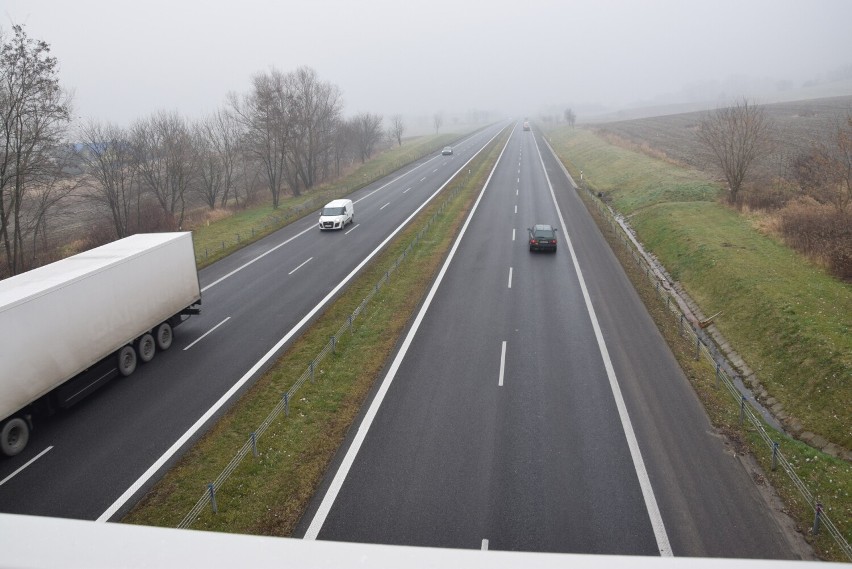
[526, 125]
[542, 238]
[447, 151]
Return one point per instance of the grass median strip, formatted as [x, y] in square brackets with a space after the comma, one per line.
[268, 494]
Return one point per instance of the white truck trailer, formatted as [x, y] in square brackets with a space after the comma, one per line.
[68, 327]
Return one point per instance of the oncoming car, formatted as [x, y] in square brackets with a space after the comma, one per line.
[447, 151]
[542, 238]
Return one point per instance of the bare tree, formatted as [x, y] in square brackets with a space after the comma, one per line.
[266, 127]
[35, 112]
[368, 132]
[108, 159]
[164, 157]
[570, 117]
[215, 140]
[438, 121]
[313, 107]
[344, 142]
[737, 136]
[397, 129]
[825, 172]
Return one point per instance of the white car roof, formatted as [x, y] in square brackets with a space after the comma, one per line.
[338, 203]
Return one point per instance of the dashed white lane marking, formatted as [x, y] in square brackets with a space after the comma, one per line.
[502, 364]
[300, 266]
[354, 227]
[207, 333]
[484, 545]
[29, 462]
[510, 277]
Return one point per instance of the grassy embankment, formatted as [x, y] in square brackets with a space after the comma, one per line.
[788, 319]
[268, 495]
[218, 239]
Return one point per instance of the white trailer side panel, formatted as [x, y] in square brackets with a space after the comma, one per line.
[58, 320]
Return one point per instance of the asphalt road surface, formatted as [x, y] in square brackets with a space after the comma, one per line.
[96, 459]
[534, 406]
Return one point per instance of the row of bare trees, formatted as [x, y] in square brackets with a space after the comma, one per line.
[287, 134]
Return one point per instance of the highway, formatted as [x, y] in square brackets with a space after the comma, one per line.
[534, 406]
[95, 460]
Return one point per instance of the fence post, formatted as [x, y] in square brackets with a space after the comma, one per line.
[333, 341]
[817, 516]
[254, 443]
[312, 371]
[717, 375]
[774, 455]
[680, 326]
[212, 492]
[286, 404]
[742, 408]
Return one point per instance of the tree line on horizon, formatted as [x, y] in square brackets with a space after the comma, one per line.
[287, 134]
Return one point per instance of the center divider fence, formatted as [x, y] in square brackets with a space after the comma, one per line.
[703, 347]
[283, 405]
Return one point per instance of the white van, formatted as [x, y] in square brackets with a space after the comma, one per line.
[336, 214]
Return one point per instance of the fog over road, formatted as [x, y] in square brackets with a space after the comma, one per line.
[501, 427]
[96, 459]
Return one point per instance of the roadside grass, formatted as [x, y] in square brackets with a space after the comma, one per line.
[268, 495]
[788, 317]
[216, 240]
[629, 180]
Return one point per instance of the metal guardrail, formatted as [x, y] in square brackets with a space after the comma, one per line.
[250, 446]
[747, 410]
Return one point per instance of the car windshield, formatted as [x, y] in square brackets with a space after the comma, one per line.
[332, 211]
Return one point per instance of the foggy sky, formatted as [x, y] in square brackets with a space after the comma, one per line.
[125, 60]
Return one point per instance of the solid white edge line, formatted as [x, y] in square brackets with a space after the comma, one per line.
[502, 364]
[29, 462]
[300, 266]
[176, 446]
[206, 333]
[651, 506]
[348, 459]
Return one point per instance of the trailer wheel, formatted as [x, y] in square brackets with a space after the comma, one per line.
[126, 360]
[14, 436]
[146, 348]
[164, 336]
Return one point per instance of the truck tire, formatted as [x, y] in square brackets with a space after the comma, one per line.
[14, 435]
[146, 348]
[126, 360]
[164, 336]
